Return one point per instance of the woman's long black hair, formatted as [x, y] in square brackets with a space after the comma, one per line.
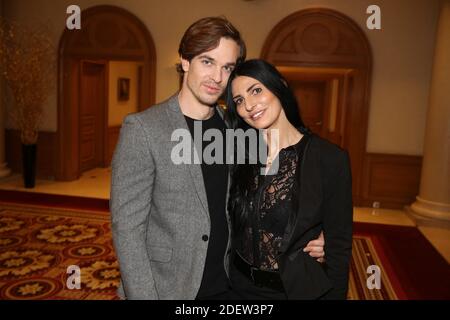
[242, 174]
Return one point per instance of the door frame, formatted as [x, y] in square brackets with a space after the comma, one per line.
[325, 38]
[327, 76]
[130, 41]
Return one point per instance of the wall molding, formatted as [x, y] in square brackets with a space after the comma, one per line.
[391, 179]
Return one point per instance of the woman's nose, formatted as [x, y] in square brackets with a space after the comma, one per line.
[249, 104]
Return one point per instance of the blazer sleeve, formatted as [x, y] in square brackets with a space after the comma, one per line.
[337, 226]
[132, 177]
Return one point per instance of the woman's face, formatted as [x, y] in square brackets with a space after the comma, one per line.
[256, 104]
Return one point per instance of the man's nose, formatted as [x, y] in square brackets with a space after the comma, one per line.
[217, 75]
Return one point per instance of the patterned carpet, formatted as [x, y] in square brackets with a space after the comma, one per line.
[38, 244]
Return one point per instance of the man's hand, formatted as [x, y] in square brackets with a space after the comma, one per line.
[315, 248]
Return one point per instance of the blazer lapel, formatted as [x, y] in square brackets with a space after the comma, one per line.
[222, 114]
[178, 121]
[310, 198]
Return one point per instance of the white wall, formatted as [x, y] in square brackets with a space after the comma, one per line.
[402, 50]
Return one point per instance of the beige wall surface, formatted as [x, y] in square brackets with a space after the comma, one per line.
[117, 109]
[402, 50]
[2, 112]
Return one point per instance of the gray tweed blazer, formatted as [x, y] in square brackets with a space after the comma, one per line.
[159, 210]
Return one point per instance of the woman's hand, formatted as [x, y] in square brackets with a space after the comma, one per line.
[315, 248]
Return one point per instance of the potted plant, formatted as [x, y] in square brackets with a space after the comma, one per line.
[27, 64]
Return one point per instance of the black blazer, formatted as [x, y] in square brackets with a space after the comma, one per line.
[325, 203]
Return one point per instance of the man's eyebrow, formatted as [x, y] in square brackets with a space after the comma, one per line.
[204, 56]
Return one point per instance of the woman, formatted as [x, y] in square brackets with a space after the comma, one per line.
[310, 191]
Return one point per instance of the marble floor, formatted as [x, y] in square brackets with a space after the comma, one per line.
[96, 184]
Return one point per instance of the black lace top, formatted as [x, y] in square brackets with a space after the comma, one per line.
[270, 204]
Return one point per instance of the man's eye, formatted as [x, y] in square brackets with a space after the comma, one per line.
[228, 69]
[207, 62]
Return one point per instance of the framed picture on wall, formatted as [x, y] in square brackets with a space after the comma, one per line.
[123, 90]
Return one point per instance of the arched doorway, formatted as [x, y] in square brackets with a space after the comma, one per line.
[107, 33]
[326, 58]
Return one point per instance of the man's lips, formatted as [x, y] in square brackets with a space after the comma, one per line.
[212, 89]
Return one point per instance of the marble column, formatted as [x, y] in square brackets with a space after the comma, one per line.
[433, 201]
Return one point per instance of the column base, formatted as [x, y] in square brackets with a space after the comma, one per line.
[431, 213]
[4, 170]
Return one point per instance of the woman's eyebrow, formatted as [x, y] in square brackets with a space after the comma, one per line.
[251, 87]
[248, 90]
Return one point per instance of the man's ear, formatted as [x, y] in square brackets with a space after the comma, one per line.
[184, 64]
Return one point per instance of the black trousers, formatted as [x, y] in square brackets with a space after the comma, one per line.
[244, 289]
[225, 295]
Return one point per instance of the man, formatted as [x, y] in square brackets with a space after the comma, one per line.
[169, 221]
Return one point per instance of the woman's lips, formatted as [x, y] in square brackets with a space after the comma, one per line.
[257, 115]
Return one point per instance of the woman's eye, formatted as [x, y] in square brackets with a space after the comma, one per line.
[238, 101]
[256, 90]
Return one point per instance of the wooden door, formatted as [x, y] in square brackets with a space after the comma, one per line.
[92, 114]
[311, 98]
[323, 96]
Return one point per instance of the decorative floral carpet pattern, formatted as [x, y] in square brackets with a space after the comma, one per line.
[38, 246]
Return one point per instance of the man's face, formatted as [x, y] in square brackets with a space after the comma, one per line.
[206, 75]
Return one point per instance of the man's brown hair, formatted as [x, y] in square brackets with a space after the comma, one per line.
[205, 34]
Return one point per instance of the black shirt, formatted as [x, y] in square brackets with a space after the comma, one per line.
[270, 204]
[215, 177]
